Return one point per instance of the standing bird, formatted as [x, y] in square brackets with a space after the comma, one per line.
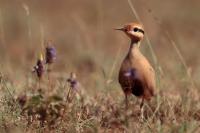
[136, 75]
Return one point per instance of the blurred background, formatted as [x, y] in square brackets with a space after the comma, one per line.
[82, 32]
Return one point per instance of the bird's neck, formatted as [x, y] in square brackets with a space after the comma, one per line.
[134, 48]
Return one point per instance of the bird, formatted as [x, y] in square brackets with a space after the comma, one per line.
[136, 75]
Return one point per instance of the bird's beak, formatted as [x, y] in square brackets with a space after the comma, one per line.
[121, 29]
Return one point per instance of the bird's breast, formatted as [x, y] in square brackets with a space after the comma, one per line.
[136, 76]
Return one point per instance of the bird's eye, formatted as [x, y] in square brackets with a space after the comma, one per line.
[135, 29]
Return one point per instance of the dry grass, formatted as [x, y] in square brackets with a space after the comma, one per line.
[87, 45]
[41, 111]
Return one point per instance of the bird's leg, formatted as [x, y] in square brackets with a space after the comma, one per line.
[126, 101]
[142, 108]
[126, 110]
[68, 97]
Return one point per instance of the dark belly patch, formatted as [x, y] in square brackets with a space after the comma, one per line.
[137, 88]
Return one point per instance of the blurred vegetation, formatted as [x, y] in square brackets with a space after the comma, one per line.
[82, 32]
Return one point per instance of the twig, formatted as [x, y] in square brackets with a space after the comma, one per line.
[49, 77]
[181, 59]
[3, 40]
[42, 37]
[114, 64]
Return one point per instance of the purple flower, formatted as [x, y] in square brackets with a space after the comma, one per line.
[74, 84]
[50, 54]
[39, 68]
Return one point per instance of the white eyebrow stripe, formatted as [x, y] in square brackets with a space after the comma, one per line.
[139, 29]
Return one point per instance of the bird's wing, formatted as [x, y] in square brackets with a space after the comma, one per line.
[148, 75]
[130, 79]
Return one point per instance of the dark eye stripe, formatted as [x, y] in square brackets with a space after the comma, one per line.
[138, 30]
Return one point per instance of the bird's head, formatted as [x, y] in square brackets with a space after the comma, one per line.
[134, 30]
